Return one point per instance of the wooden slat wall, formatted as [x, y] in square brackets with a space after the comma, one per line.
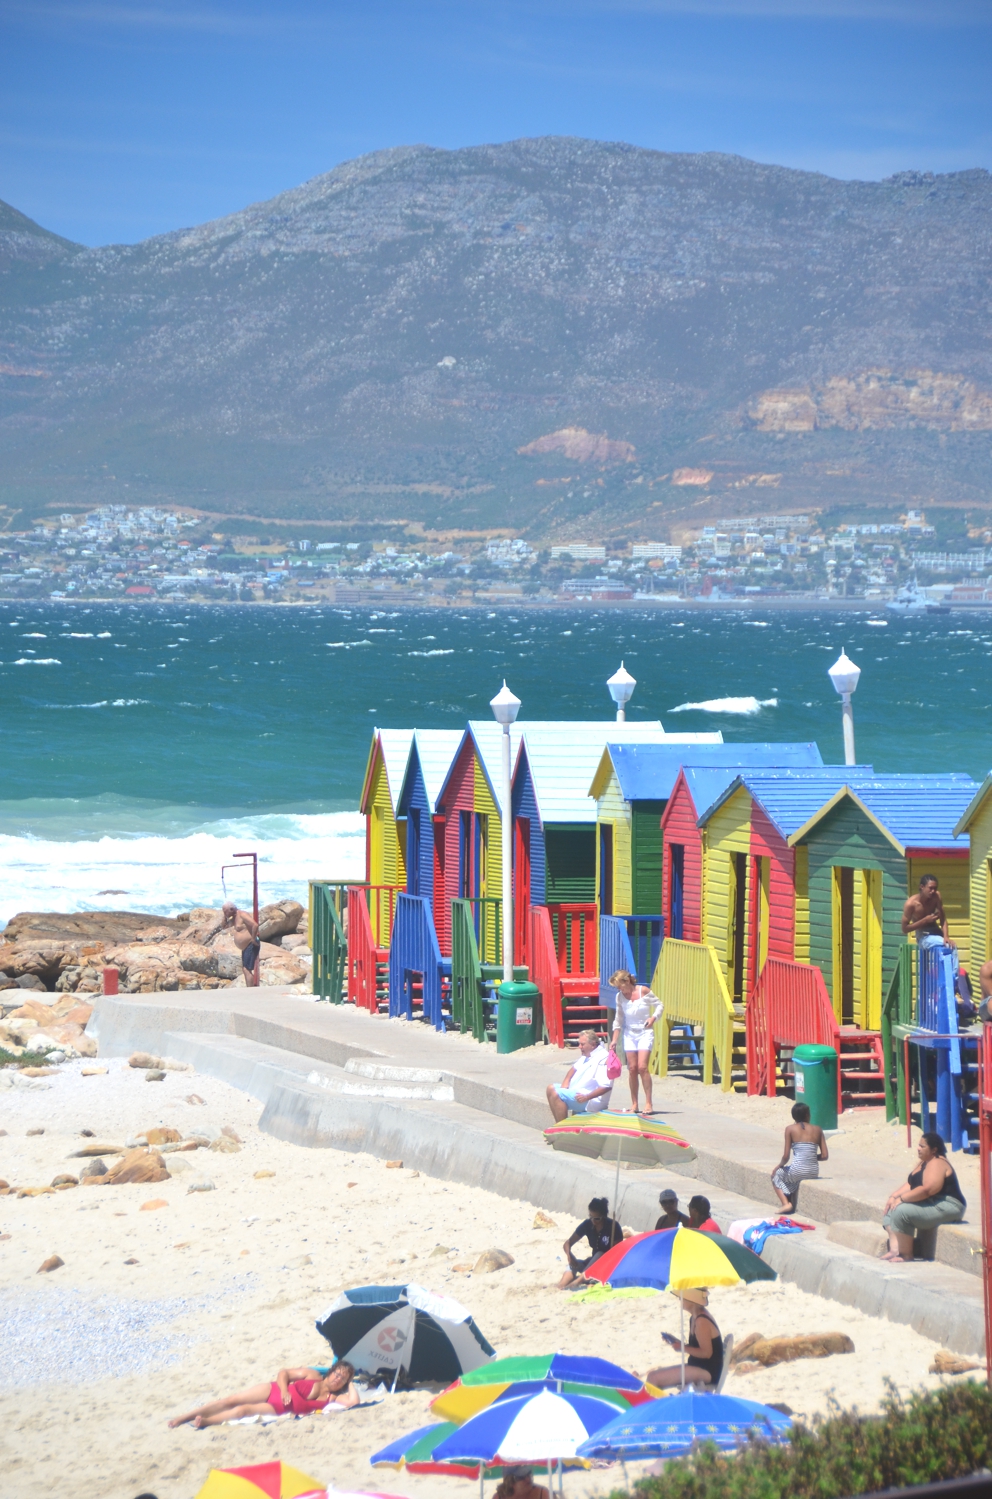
[767, 842]
[646, 856]
[459, 796]
[611, 807]
[416, 800]
[386, 863]
[801, 855]
[727, 832]
[525, 806]
[981, 852]
[846, 837]
[952, 878]
[571, 862]
[680, 827]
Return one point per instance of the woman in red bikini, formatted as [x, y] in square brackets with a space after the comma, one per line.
[293, 1392]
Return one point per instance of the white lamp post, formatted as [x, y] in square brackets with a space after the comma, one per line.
[844, 675]
[505, 709]
[621, 686]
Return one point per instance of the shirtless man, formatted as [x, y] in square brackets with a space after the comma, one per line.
[245, 933]
[923, 915]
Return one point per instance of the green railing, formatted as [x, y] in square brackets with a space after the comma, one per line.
[328, 942]
[471, 978]
[898, 1018]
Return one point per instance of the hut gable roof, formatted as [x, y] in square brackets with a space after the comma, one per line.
[648, 772]
[561, 758]
[910, 811]
[973, 808]
[788, 796]
[393, 745]
[434, 751]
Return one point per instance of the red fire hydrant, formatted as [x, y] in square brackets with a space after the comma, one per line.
[110, 977]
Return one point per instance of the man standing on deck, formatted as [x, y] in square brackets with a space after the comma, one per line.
[925, 917]
[244, 930]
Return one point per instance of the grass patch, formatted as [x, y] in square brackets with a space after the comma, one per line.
[28, 1059]
[936, 1434]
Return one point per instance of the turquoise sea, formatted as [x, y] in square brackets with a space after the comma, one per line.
[140, 746]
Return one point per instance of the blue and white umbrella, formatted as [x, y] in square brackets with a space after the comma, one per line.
[531, 1428]
[386, 1329]
[678, 1423]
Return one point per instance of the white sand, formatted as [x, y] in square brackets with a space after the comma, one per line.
[98, 1354]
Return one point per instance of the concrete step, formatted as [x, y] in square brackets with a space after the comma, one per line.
[959, 1245]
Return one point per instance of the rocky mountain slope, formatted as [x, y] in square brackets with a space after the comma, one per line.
[543, 335]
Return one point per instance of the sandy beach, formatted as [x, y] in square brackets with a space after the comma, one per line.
[156, 1310]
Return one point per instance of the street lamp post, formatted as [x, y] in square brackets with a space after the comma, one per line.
[505, 709]
[621, 686]
[844, 675]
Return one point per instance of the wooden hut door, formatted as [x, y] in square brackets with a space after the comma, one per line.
[521, 890]
[868, 1009]
[465, 855]
[413, 851]
[606, 869]
[676, 889]
[738, 927]
[758, 919]
[439, 826]
[843, 944]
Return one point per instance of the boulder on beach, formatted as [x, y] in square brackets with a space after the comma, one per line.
[84, 926]
[279, 919]
[137, 1166]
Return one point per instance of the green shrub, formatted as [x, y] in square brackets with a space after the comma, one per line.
[933, 1435]
[26, 1059]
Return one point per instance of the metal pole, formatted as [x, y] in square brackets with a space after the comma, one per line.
[507, 862]
[621, 714]
[847, 712]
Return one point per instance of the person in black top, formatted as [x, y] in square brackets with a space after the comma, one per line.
[929, 1196]
[703, 1348]
[600, 1232]
[668, 1201]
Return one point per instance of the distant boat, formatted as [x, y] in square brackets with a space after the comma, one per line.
[909, 600]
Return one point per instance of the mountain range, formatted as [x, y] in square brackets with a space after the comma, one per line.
[553, 337]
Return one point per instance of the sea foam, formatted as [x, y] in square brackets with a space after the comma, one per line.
[743, 705]
[165, 875]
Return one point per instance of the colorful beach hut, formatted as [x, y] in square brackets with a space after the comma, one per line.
[975, 823]
[858, 858]
[429, 760]
[385, 852]
[632, 786]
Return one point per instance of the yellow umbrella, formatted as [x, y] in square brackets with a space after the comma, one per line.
[261, 1481]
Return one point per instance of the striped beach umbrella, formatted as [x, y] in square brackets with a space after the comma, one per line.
[506, 1378]
[677, 1259]
[532, 1428]
[274, 1480]
[666, 1428]
[415, 1453]
[643, 1140]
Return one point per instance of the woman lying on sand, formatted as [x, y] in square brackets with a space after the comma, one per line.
[294, 1392]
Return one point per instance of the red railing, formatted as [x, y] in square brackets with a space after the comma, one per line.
[985, 1167]
[789, 1006]
[576, 937]
[545, 973]
[370, 922]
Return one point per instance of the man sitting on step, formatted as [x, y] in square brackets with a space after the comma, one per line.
[586, 1088]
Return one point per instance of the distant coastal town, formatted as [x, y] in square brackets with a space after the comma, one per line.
[148, 553]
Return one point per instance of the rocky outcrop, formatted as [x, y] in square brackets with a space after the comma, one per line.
[876, 400]
[152, 955]
[580, 446]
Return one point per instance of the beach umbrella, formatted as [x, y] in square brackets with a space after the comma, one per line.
[272, 1480]
[508, 1377]
[679, 1259]
[388, 1328]
[613, 1136]
[415, 1452]
[532, 1428]
[665, 1428]
[676, 1259]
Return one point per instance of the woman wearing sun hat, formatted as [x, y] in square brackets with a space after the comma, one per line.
[703, 1347]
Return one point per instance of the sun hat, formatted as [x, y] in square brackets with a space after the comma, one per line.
[668, 1195]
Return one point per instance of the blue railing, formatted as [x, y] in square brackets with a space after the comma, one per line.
[937, 1033]
[630, 942]
[415, 962]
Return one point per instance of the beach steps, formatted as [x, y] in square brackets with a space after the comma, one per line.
[862, 1067]
[337, 1077]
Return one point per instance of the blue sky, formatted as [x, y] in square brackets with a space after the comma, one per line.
[125, 118]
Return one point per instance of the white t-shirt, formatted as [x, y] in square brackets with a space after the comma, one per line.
[637, 1015]
[590, 1072]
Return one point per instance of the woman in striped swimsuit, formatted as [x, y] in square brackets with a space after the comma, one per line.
[807, 1147]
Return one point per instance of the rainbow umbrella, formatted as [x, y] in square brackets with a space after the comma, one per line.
[507, 1378]
[666, 1428]
[415, 1452]
[533, 1428]
[610, 1135]
[676, 1259]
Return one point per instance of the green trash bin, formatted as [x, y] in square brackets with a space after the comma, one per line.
[816, 1083]
[518, 1008]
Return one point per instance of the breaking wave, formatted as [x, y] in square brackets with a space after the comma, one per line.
[742, 705]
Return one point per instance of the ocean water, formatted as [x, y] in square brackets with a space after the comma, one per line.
[142, 747]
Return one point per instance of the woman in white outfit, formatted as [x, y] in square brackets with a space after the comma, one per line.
[637, 1010]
